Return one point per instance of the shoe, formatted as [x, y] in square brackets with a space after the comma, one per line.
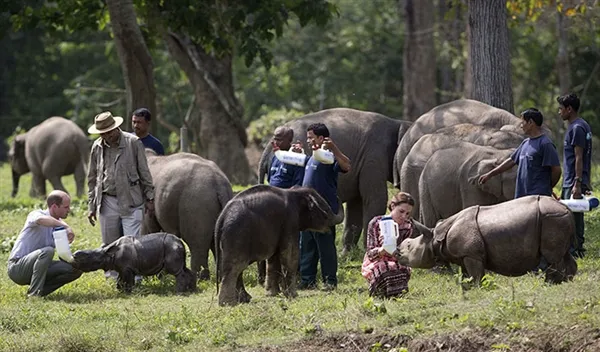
[111, 274]
[138, 279]
[329, 287]
[307, 286]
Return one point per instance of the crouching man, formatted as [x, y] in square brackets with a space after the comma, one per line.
[30, 261]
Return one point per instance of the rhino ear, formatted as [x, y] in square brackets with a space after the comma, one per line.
[110, 248]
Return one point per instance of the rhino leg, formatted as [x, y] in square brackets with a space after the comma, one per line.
[562, 271]
[262, 271]
[126, 280]
[474, 268]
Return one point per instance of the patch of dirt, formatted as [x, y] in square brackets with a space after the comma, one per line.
[574, 339]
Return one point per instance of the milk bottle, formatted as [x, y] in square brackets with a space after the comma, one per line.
[61, 241]
[584, 204]
[292, 158]
[389, 230]
[323, 155]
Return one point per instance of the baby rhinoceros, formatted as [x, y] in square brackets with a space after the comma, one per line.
[509, 238]
[147, 255]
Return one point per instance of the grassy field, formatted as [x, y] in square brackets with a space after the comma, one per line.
[516, 314]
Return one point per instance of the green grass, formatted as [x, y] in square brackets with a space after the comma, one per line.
[90, 315]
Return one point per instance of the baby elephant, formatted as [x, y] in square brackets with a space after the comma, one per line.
[509, 238]
[263, 222]
[146, 255]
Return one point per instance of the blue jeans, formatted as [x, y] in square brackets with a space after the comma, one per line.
[576, 249]
[315, 246]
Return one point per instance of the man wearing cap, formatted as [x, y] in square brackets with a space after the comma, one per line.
[119, 180]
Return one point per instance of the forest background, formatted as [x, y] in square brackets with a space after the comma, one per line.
[283, 59]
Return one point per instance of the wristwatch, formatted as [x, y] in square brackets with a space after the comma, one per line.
[579, 179]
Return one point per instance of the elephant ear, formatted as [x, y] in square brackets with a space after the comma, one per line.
[493, 185]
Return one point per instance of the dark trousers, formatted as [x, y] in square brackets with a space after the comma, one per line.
[577, 249]
[315, 246]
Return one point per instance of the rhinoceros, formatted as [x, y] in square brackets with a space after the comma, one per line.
[509, 238]
[146, 255]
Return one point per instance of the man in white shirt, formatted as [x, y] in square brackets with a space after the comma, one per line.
[30, 261]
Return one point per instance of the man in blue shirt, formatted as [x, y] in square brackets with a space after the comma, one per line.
[280, 174]
[140, 121]
[323, 178]
[577, 160]
[539, 167]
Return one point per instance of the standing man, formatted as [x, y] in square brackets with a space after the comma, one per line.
[140, 122]
[119, 181]
[323, 178]
[577, 160]
[539, 167]
[30, 261]
[281, 175]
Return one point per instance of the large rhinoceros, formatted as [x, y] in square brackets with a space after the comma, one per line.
[509, 238]
[145, 255]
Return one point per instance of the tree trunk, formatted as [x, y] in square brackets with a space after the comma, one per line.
[563, 66]
[221, 134]
[419, 68]
[451, 24]
[135, 59]
[490, 55]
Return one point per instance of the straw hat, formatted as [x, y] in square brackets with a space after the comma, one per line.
[105, 122]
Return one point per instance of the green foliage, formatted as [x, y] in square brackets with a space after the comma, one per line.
[261, 130]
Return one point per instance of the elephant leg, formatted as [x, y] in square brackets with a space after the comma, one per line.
[199, 237]
[289, 256]
[242, 295]
[80, 176]
[38, 186]
[231, 274]
[373, 190]
[262, 271]
[56, 183]
[352, 225]
[273, 275]
[474, 268]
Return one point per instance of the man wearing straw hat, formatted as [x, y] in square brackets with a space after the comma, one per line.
[119, 180]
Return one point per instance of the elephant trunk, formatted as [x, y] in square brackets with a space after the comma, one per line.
[263, 164]
[15, 178]
[339, 217]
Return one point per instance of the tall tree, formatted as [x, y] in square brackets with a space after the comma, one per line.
[451, 60]
[136, 62]
[563, 65]
[419, 59]
[490, 53]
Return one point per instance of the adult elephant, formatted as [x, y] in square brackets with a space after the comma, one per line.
[50, 150]
[370, 141]
[449, 114]
[449, 181]
[190, 192]
[449, 137]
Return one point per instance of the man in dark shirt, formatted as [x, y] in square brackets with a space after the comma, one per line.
[323, 178]
[140, 121]
[539, 167]
[280, 174]
[577, 160]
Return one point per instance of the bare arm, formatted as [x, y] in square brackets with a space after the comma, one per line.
[506, 165]
[556, 172]
[341, 158]
[576, 191]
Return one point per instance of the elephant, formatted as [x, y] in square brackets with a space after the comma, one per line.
[147, 255]
[446, 138]
[263, 222]
[449, 181]
[50, 150]
[509, 238]
[449, 114]
[370, 141]
[190, 192]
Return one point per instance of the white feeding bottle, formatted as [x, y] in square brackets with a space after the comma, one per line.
[389, 230]
[61, 241]
[584, 204]
[288, 157]
[323, 156]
